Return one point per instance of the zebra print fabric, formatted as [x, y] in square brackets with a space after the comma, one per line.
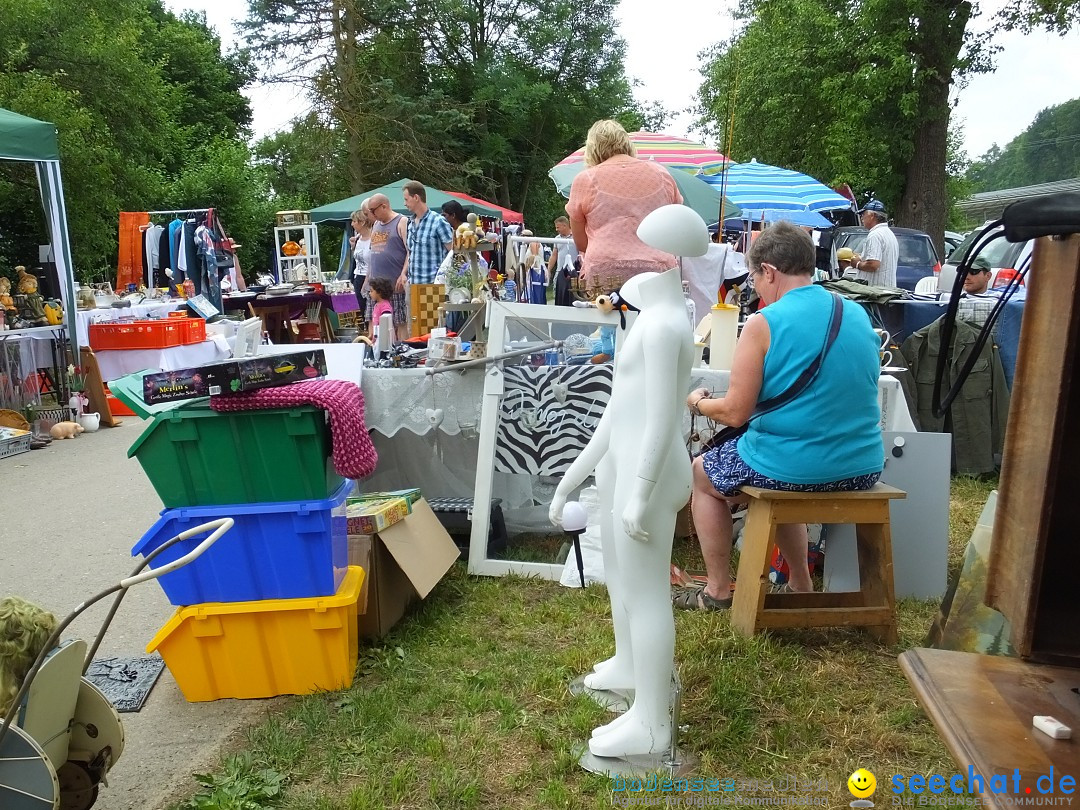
[547, 416]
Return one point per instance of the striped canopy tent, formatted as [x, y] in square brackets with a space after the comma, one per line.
[759, 186]
[673, 152]
[508, 215]
[32, 141]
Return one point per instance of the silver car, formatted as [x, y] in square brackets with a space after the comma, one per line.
[1006, 259]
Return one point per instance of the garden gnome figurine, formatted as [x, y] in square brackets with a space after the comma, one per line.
[643, 478]
[31, 304]
[7, 303]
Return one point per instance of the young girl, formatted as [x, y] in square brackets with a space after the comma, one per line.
[380, 290]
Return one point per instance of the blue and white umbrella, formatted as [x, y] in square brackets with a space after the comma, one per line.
[759, 186]
[811, 219]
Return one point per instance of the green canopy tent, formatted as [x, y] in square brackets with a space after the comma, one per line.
[33, 141]
[340, 212]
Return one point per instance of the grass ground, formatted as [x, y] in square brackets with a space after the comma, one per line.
[465, 705]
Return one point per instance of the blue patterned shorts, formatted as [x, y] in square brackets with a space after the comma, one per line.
[727, 472]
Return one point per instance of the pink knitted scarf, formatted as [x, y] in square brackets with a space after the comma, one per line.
[354, 454]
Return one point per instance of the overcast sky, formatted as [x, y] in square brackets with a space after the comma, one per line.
[1034, 71]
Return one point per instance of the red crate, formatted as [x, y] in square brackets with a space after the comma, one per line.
[138, 335]
[196, 329]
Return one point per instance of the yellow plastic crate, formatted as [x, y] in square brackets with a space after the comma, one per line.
[266, 648]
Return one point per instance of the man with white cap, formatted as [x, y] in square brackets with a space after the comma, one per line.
[881, 252]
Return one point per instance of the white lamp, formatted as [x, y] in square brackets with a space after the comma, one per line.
[574, 520]
[675, 229]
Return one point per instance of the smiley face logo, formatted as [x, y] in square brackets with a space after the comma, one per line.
[862, 784]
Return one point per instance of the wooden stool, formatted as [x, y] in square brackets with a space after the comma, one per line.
[873, 606]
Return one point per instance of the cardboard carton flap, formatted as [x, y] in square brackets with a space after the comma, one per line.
[421, 547]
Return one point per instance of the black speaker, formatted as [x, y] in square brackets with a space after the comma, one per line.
[48, 280]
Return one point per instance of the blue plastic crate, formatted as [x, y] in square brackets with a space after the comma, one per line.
[284, 550]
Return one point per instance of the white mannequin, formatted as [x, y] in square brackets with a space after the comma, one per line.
[643, 477]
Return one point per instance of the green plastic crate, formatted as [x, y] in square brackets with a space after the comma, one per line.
[197, 457]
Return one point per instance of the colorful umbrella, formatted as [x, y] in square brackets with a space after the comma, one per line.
[675, 153]
[761, 186]
[811, 219]
[696, 193]
[507, 214]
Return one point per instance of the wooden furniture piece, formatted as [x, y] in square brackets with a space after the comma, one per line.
[275, 322]
[982, 707]
[424, 303]
[95, 389]
[872, 606]
[1035, 552]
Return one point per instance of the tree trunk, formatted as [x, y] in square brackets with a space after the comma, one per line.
[938, 38]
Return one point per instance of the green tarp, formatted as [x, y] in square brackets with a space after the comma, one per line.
[341, 210]
[23, 138]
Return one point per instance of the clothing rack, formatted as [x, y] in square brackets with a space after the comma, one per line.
[179, 211]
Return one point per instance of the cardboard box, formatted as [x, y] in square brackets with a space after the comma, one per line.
[369, 517]
[403, 564]
[234, 376]
[410, 495]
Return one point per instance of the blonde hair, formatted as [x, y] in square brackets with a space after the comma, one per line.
[606, 139]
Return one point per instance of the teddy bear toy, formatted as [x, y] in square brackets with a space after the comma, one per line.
[65, 430]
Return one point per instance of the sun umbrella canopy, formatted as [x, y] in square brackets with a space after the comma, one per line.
[811, 219]
[342, 210]
[756, 185]
[507, 214]
[696, 193]
[673, 152]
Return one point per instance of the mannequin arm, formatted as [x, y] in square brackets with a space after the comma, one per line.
[581, 469]
[662, 418]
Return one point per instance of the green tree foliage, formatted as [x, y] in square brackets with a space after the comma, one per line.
[482, 96]
[1047, 150]
[134, 91]
[857, 91]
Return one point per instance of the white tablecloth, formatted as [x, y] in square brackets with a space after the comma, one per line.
[118, 363]
[400, 398]
[85, 317]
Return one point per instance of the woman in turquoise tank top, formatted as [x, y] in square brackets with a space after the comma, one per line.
[825, 439]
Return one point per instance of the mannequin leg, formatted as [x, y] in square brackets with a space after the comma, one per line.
[792, 541]
[646, 727]
[616, 672]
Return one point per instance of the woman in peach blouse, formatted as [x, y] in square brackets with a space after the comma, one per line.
[608, 200]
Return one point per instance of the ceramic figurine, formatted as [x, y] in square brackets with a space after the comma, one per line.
[66, 430]
[7, 303]
[31, 304]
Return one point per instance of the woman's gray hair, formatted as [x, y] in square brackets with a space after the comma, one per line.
[785, 246]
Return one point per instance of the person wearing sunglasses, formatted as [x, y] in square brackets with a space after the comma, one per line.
[824, 438]
[388, 257]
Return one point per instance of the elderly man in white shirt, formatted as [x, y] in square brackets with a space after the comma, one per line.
[881, 252]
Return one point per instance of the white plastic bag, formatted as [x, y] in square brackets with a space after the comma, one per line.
[444, 268]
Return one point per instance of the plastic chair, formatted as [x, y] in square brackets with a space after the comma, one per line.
[926, 285]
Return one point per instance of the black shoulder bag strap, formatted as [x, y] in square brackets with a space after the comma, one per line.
[802, 382]
[811, 371]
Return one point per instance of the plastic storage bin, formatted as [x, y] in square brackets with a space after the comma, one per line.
[275, 551]
[194, 456]
[138, 335]
[263, 649]
[195, 329]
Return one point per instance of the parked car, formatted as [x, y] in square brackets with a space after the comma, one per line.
[918, 258]
[1005, 258]
[952, 242]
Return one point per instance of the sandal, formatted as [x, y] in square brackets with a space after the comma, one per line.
[697, 599]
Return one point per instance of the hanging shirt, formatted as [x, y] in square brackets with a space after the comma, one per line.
[175, 228]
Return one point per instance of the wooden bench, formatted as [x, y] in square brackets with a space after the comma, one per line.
[873, 606]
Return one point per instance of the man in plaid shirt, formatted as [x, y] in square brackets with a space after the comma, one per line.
[430, 236]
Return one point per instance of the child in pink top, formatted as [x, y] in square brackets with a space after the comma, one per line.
[380, 292]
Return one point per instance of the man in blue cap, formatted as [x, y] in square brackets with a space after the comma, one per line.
[881, 253]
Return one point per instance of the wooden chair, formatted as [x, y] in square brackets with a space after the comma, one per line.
[873, 606]
[275, 322]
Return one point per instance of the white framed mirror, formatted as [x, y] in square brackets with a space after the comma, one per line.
[539, 411]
